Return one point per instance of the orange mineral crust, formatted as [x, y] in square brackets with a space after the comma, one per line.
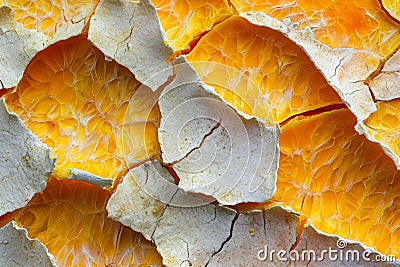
[393, 8]
[99, 121]
[342, 182]
[185, 20]
[47, 16]
[70, 219]
[336, 23]
[85, 108]
[384, 125]
[260, 71]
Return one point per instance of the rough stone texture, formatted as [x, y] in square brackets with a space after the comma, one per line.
[186, 231]
[18, 250]
[258, 237]
[80, 175]
[25, 163]
[130, 33]
[214, 149]
[386, 85]
[19, 45]
[345, 255]
[17, 48]
[256, 231]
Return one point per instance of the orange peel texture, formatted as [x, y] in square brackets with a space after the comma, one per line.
[384, 125]
[90, 111]
[47, 16]
[393, 8]
[70, 219]
[336, 23]
[85, 108]
[184, 20]
[342, 182]
[257, 69]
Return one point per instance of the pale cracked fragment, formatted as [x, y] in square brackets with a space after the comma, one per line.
[130, 33]
[214, 149]
[386, 84]
[17, 48]
[186, 230]
[25, 163]
[317, 249]
[17, 249]
[76, 174]
[19, 45]
[345, 69]
[270, 238]
[254, 235]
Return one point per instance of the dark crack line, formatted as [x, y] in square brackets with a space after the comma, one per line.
[86, 27]
[215, 213]
[169, 80]
[172, 172]
[372, 93]
[197, 38]
[212, 130]
[354, 82]
[226, 240]
[302, 204]
[264, 214]
[299, 231]
[381, 65]
[131, 24]
[129, 36]
[313, 112]
[122, 174]
[147, 178]
[338, 65]
[162, 215]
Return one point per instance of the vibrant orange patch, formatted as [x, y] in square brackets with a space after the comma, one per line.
[259, 70]
[336, 23]
[70, 219]
[384, 124]
[85, 108]
[342, 182]
[182, 20]
[47, 16]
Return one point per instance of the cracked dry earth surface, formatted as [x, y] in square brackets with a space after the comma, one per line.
[199, 133]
